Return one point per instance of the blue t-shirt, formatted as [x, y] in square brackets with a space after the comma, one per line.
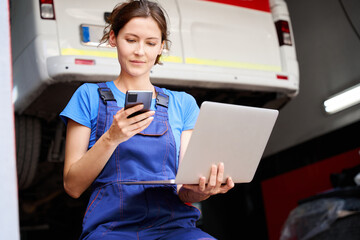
[84, 104]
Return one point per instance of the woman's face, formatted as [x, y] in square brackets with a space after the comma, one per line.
[138, 44]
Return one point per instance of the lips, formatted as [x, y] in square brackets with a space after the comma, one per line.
[137, 61]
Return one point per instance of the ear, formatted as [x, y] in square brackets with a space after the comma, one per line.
[112, 39]
[161, 48]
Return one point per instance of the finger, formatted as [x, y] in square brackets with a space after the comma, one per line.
[141, 117]
[229, 185]
[119, 113]
[149, 120]
[122, 121]
[220, 174]
[134, 129]
[133, 109]
[189, 186]
[122, 115]
[213, 174]
[202, 184]
[141, 125]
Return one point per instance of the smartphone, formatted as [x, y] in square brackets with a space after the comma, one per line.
[136, 97]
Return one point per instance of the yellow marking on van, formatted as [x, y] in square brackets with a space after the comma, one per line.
[93, 53]
[230, 64]
[108, 54]
[176, 59]
[173, 59]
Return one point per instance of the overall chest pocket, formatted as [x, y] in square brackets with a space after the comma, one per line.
[156, 128]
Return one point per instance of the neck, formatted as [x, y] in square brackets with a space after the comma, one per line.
[125, 83]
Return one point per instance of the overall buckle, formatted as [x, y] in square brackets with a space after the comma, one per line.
[106, 95]
[162, 100]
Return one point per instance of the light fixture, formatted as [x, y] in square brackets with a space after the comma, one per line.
[343, 100]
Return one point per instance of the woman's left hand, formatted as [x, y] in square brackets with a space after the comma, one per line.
[212, 187]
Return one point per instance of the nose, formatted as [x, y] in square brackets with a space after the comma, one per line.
[140, 49]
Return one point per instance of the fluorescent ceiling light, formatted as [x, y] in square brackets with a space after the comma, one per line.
[343, 100]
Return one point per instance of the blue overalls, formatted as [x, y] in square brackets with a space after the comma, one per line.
[121, 211]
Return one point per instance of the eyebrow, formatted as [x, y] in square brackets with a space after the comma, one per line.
[134, 35]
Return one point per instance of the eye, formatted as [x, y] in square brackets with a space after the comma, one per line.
[152, 44]
[130, 40]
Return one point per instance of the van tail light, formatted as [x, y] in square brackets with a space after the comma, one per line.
[282, 77]
[84, 61]
[47, 9]
[283, 32]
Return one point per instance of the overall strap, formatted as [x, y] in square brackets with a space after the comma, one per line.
[106, 99]
[162, 100]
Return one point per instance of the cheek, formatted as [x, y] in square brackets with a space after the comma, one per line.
[154, 53]
[123, 51]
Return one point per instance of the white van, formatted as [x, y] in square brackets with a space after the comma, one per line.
[230, 48]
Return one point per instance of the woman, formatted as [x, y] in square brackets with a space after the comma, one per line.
[105, 148]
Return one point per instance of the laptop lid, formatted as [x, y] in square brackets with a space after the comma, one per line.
[233, 134]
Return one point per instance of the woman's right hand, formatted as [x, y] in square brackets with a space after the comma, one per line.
[123, 128]
[82, 166]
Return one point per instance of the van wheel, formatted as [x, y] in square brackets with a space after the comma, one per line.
[28, 141]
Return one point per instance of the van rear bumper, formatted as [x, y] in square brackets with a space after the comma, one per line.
[64, 69]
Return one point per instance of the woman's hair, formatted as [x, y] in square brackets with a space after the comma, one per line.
[123, 13]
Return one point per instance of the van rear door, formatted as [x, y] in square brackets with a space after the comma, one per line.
[222, 35]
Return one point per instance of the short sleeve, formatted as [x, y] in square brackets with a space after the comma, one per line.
[79, 107]
[191, 112]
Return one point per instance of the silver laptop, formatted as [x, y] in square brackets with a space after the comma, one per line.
[233, 134]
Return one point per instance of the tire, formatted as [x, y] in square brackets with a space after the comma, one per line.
[28, 143]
